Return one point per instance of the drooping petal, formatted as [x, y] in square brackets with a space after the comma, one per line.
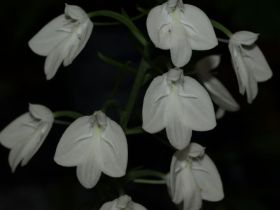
[220, 95]
[79, 42]
[88, 172]
[137, 206]
[113, 150]
[178, 133]
[220, 113]
[201, 35]
[239, 67]
[17, 130]
[180, 47]
[153, 112]
[251, 88]
[244, 37]
[208, 179]
[55, 58]
[257, 63]
[157, 18]
[75, 143]
[197, 110]
[108, 205]
[205, 65]
[49, 36]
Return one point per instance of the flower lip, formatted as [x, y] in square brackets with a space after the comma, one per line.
[124, 202]
[174, 4]
[175, 75]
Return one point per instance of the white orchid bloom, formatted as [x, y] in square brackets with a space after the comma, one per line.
[62, 39]
[249, 63]
[25, 135]
[94, 144]
[122, 203]
[179, 104]
[180, 28]
[218, 92]
[193, 177]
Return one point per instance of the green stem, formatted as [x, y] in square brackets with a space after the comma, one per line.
[221, 27]
[62, 122]
[149, 181]
[143, 67]
[137, 173]
[122, 19]
[136, 130]
[70, 114]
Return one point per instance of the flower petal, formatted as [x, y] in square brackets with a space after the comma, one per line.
[177, 132]
[49, 36]
[108, 205]
[113, 150]
[220, 113]
[88, 172]
[257, 63]
[16, 131]
[55, 58]
[244, 37]
[205, 65]
[157, 18]
[41, 112]
[197, 110]
[75, 143]
[180, 47]
[137, 206]
[208, 179]
[75, 12]
[200, 32]
[153, 112]
[220, 95]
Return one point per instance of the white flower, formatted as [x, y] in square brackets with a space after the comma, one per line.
[122, 203]
[249, 63]
[180, 28]
[94, 144]
[179, 104]
[62, 39]
[193, 177]
[25, 135]
[219, 94]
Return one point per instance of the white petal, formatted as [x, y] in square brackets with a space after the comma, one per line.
[41, 112]
[49, 36]
[55, 58]
[157, 18]
[88, 172]
[17, 130]
[154, 105]
[251, 88]
[205, 65]
[220, 95]
[220, 113]
[244, 37]
[178, 133]
[208, 179]
[75, 143]
[239, 67]
[78, 42]
[113, 150]
[197, 110]
[257, 64]
[195, 150]
[75, 12]
[108, 205]
[200, 31]
[180, 47]
[176, 190]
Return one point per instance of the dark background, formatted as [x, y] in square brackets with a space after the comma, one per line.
[245, 145]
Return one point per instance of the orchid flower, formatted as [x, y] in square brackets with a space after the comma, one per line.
[180, 28]
[219, 94]
[193, 177]
[249, 63]
[62, 39]
[179, 104]
[122, 203]
[94, 144]
[25, 135]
